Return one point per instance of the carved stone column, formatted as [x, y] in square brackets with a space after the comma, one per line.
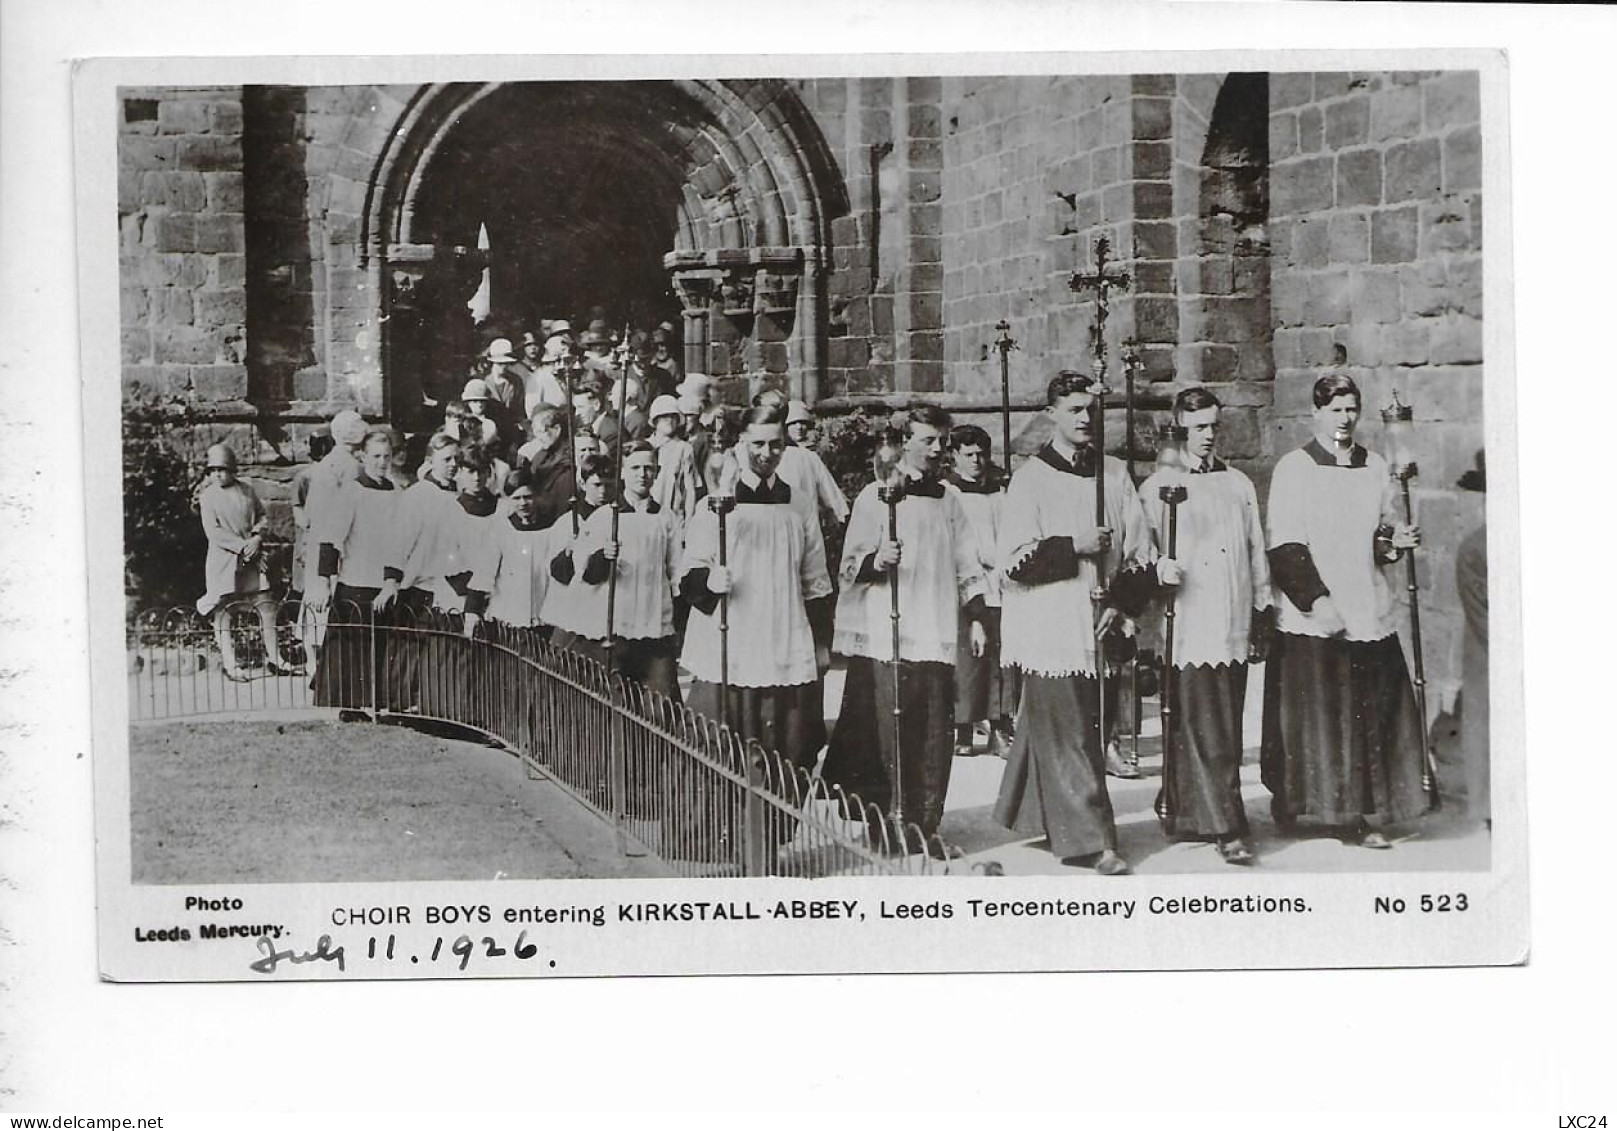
[429, 334]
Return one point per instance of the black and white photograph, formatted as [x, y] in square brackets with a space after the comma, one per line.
[1060, 475]
[976, 558]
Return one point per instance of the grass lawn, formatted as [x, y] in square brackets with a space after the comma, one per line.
[318, 801]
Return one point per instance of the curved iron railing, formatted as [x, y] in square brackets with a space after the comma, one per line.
[668, 779]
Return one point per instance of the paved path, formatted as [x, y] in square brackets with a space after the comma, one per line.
[1439, 843]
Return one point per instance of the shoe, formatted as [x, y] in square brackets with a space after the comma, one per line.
[1370, 838]
[283, 669]
[237, 675]
[351, 716]
[1236, 852]
[1111, 864]
[999, 743]
[1284, 821]
[1117, 767]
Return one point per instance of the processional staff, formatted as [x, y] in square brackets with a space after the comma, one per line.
[1172, 493]
[1399, 419]
[567, 369]
[621, 357]
[1004, 344]
[1131, 366]
[1101, 281]
[721, 501]
[890, 490]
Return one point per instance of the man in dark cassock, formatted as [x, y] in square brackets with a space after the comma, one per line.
[936, 568]
[1052, 554]
[548, 463]
[1218, 580]
[1342, 738]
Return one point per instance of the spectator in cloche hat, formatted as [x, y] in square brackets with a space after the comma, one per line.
[800, 424]
[234, 521]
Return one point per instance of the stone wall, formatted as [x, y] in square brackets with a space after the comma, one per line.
[1377, 234]
[180, 222]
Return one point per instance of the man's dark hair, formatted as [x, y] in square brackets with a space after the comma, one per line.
[770, 394]
[472, 456]
[970, 436]
[518, 479]
[638, 446]
[1065, 384]
[764, 414]
[1195, 399]
[596, 465]
[594, 388]
[1334, 385]
[930, 415]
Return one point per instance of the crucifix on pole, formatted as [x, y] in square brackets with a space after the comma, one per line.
[1102, 282]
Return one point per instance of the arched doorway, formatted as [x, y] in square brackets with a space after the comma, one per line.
[702, 202]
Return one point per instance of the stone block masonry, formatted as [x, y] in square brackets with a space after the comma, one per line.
[181, 225]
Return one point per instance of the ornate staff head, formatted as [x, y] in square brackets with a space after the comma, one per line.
[1399, 420]
[887, 465]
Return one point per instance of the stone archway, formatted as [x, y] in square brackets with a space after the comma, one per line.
[704, 200]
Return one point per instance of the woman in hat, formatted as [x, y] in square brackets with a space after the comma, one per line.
[233, 519]
[678, 486]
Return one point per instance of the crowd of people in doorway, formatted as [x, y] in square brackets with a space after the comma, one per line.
[588, 491]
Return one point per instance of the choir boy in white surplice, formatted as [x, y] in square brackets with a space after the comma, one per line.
[521, 556]
[355, 537]
[780, 615]
[645, 555]
[1218, 580]
[985, 691]
[576, 613]
[1051, 555]
[938, 572]
[1342, 737]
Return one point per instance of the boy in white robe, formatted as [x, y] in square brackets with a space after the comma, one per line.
[1218, 581]
[641, 601]
[939, 575]
[778, 588]
[574, 614]
[1052, 553]
[355, 541]
[233, 519]
[1343, 742]
[985, 691]
[416, 566]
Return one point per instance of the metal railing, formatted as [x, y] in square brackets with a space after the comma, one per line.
[670, 781]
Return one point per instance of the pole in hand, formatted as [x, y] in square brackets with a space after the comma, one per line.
[1172, 494]
[1004, 344]
[721, 502]
[889, 489]
[1399, 419]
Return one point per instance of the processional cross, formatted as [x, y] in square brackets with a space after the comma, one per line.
[1102, 282]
